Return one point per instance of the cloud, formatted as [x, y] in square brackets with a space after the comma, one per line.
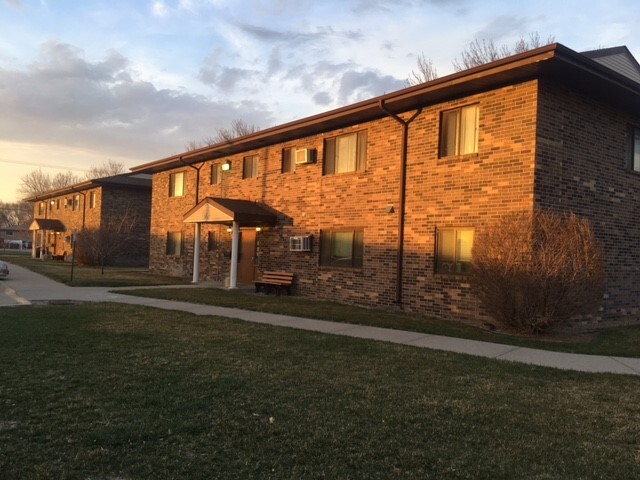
[292, 37]
[356, 86]
[64, 99]
[503, 26]
[13, 3]
[214, 74]
[322, 98]
[159, 8]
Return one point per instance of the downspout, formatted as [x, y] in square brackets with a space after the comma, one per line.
[195, 278]
[401, 194]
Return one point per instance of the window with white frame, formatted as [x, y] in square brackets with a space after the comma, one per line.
[176, 184]
[459, 131]
[92, 200]
[76, 202]
[174, 243]
[453, 250]
[341, 248]
[346, 153]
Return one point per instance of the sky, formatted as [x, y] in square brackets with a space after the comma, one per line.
[84, 82]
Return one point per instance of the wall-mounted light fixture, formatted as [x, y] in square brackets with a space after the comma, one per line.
[226, 166]
[229, 230]
[258, 229]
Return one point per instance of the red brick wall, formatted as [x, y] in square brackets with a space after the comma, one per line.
[464, 191]
[467, 191]
[581, 167]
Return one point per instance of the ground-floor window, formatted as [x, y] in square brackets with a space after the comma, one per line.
[341, 248]
[453, 250]
[174, 243]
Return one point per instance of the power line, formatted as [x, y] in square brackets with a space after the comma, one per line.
[34, 164]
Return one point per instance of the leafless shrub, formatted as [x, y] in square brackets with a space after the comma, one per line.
[533, 271]
[99, 246]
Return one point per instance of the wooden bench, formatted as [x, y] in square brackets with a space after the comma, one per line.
[276, 281]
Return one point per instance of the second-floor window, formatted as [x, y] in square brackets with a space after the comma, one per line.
[634, 149]
[76, 202]
[459, 131]
[92, 200]
[41, 208]
[176, 184]
[216, 174]
[250, 167]
[288, 163]
[346, 153]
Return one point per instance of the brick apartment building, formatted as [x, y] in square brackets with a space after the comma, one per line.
[377, 203]
[90, 205]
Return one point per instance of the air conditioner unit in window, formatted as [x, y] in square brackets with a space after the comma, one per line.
[305, 155]
[300, 243]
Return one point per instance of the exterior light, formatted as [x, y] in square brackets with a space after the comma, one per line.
[229, 230]
[226, 166]
[258, 229]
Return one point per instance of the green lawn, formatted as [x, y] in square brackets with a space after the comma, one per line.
[112, 391]
[91, 276]
[618, 341]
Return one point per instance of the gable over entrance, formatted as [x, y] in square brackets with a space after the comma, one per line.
[227, 211]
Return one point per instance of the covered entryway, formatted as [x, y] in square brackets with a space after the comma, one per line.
[237, 214]
[40, 246]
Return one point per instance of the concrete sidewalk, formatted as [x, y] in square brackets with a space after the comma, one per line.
[24, 287]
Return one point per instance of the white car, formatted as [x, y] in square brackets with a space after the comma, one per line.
[4, 270]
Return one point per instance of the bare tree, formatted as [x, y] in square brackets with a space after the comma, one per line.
[15, 213]
[107, 169]
[484, 51]
[34, 183]
[61, 180]
[425, 71]
[100, 246]
[239, 128]
[531, 272]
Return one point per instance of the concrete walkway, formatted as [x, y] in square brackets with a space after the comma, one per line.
[24, 287]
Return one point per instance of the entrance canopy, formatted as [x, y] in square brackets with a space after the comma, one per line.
[47, 224]
[227, 211]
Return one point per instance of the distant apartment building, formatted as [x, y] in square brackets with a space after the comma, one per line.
[59, 214]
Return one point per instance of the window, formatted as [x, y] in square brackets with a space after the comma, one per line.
[216, 174]
[76, 202]
[459, 131]
[453, 250]
[176, 184]
[288, 163]
[212, 241]
[174, 243]
[341, 248]
[250, 167]
[346, 153]
[41, 208]
[58, 204]
[634, 150]
[92, 200]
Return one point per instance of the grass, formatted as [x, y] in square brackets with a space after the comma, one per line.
[115, 391]
[84, 276]
[618, 341]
